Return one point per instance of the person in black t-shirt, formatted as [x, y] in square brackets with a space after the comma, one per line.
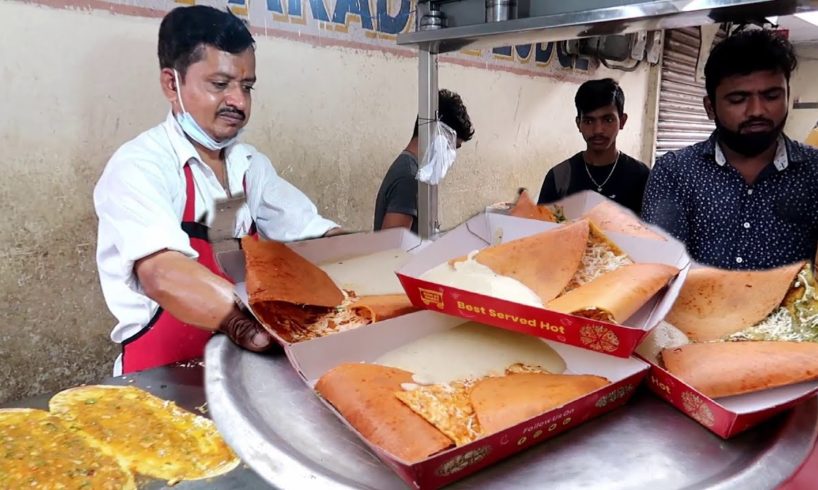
[601, 167]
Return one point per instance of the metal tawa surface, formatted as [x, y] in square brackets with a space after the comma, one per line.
[283, 432]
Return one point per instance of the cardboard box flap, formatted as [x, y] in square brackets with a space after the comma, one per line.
[340, 247]
[575, 206]
[504, 229]
[312, 359]
[368, 344]
[764, 400]
[322, 250]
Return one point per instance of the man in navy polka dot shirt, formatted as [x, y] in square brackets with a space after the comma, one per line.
[747, 198]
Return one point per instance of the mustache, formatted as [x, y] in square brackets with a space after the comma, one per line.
[756, 120]
[232, 110]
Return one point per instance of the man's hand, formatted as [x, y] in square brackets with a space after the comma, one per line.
[245, 331]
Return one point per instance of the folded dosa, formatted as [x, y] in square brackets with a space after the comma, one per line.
[525, 207]
[365, 395]
[293, 297]
[714, 303]
[612, 217]
[720, 369]
[382, 307]
[277, 273]
[544, 262]
[601, 255]
[616, 295]
[501, 402]
[459, 409]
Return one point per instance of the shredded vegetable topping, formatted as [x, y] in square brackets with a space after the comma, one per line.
[795, 323]
[597, 260]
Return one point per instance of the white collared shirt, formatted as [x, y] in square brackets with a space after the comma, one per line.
[140, 199]
[781, 160]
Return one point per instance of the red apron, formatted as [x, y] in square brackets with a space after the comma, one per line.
[166, 340]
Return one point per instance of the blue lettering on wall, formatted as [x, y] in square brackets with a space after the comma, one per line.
[523, 51]
[582, 63]
[565, 59]
[502, 51]
[393, 25]
[274, 6]
[294, 8]
[356, 7]
[543, 52]
[317, 7]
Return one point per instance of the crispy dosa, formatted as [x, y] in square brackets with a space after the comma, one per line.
[525, 207]
[719, 369]
[39, 451]
[382, 307]
[365, 395]
[295, 299]
[277, 273]
[544, 262]
[616, 295]
[611, 217]
[715, 303]
[501, 402]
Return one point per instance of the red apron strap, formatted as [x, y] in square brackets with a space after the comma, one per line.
[165, 339]
[189, 215]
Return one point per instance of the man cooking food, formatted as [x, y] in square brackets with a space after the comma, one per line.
[745, 198]
[157, 196]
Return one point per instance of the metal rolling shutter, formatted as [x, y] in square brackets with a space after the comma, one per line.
[682, 119]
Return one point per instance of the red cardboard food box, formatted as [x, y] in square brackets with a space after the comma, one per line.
[726, 416]
[492, 228]
[312, 359]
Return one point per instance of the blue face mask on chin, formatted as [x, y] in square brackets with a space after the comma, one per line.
[192, 128]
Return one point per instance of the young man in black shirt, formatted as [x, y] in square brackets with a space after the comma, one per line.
[396, 205]
[601, 167]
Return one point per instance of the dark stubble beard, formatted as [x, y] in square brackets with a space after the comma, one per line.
[749, 144]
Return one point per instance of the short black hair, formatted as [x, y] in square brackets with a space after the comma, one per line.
[595, 94]
[453, 113]
[185, 31]
[747, 52]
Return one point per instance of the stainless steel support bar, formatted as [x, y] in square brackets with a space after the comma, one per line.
[622, 19]
[427, 111]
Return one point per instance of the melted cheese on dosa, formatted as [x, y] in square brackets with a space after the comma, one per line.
[368, 275]
[470, 351]
[153, 437]
[470, 275]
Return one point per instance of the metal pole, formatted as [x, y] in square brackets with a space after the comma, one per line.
[427, 111]
[428, 224]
